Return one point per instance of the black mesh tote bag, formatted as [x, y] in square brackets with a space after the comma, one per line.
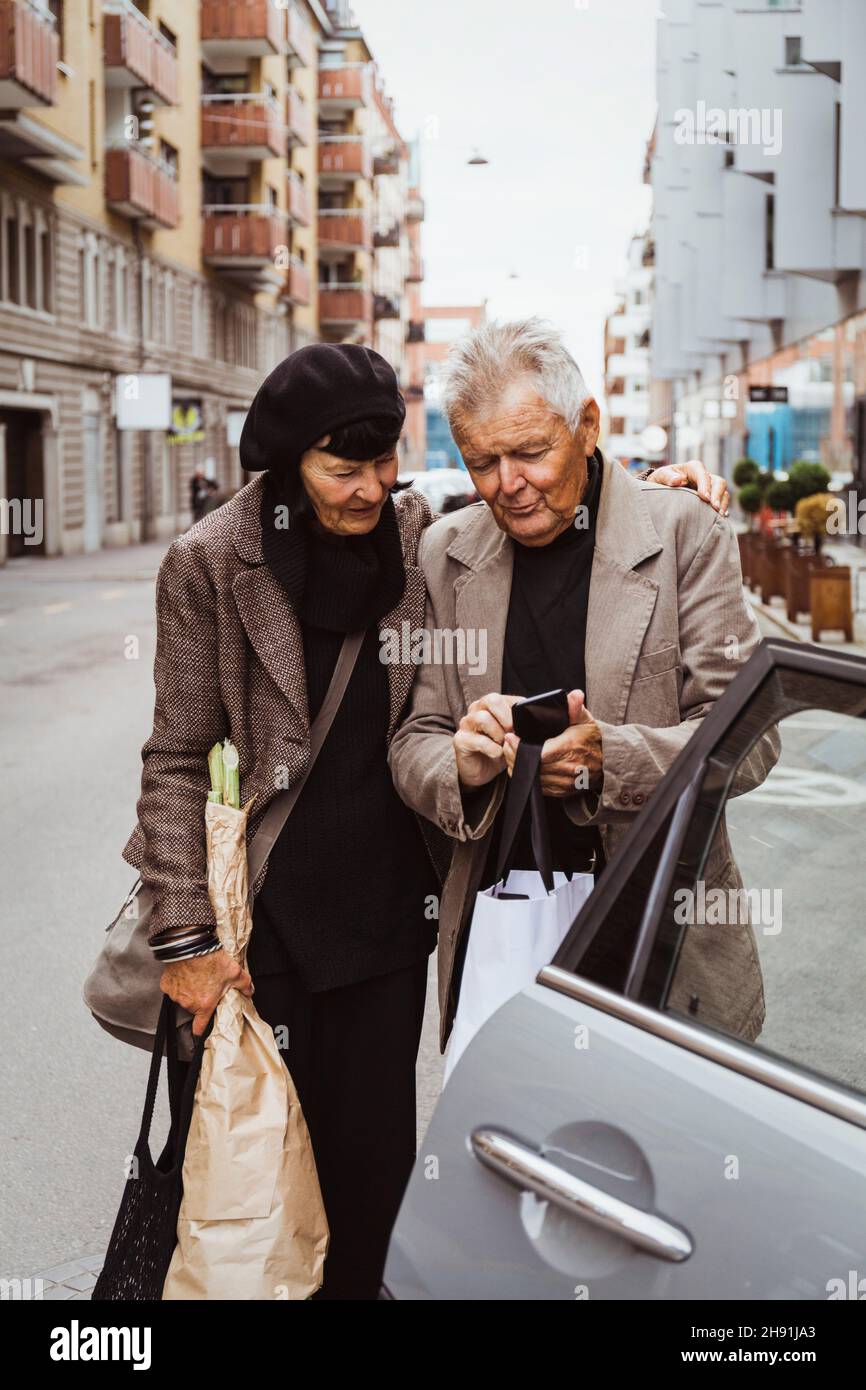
[145, 1232]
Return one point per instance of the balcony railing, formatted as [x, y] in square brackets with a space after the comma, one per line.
[343, 158]
[345, 303]
[136, 54]
[298, 284]
[343, 230]
[242, 28]
[29, 50]
[300, 202]
[386, 163]
[251, 232]
[302, 51]
[387, 236]
[415, 210]
[300, 118]
[248, 124]
[385, 306]
[141, 187]
[344, 88]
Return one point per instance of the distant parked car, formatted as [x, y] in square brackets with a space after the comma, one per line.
[593, 1141]
[441, 486]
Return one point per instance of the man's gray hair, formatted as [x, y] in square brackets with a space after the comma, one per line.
[484, 363]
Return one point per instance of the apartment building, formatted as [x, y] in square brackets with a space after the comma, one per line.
[627, 357]
[759, 227]
[159, 215]
[441, 326]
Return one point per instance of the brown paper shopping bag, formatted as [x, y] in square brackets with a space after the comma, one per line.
[252, 1223]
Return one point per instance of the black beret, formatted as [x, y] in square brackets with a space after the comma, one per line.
[311, 393]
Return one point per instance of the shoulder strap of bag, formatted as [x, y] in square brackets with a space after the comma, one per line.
[281, 807]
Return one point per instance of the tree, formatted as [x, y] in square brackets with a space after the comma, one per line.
[745, 471]
[780, 496]
[807, 479]
[751, 499]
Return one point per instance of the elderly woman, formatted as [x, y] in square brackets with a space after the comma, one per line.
[253, 605]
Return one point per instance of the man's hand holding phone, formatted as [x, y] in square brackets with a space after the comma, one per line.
[479, 742]
[572, 761]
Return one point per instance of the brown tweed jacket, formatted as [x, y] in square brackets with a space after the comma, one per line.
[229, 662]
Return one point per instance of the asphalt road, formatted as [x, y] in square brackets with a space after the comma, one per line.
[76, 654]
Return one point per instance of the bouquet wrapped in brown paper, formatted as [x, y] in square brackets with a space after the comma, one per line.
[252, 1223]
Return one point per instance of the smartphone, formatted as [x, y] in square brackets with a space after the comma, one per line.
[540, 717]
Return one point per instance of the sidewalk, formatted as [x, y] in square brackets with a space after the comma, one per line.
[775, 611]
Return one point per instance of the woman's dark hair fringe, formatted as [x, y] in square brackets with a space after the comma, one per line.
[364, 440]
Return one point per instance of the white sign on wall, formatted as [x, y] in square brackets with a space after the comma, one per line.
[143, 401]
[234, 426]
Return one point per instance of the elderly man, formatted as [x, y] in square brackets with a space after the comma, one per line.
[582, 578]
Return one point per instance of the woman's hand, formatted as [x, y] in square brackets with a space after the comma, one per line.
[710, 487]
[198, 984]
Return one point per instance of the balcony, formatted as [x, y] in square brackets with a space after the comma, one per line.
[298, 287]
[300, 41]
[415, 332]
[246, 127]
[244, 240]
[342, 231]
[342, 160]
[387, 237]
[29, 49]
[241, 29]
[300, 202]
[345, 305]
[136, 54]
[140, 187]
[386, 163]
[385, 306]
[300, 119]
[415, 210]
[344, 88]
[415, 273]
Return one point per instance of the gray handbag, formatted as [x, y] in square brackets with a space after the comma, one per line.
[122, 990]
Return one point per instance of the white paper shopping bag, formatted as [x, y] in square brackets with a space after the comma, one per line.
[510, 939]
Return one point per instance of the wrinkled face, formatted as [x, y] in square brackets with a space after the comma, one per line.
[526, 464]
[347, 496]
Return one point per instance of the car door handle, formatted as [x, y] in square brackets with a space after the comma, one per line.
[526, 1168]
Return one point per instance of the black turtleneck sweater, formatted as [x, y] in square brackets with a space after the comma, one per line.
[350, 891]
[545, 636]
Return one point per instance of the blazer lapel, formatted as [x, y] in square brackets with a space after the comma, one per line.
[269, 619]
[481, 599]
[621, 602]
[397, 629]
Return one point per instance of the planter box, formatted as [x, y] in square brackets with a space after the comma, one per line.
[799, 567]
[744, 541]
[768, 571]
[830, 595]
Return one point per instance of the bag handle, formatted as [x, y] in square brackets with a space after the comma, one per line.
[281, 808]
[524, 789]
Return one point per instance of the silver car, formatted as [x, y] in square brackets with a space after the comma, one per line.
[592, 1143]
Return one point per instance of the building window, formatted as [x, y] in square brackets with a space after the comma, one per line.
[793, 52]
[146, 301]
[88, 268]
[199, 339]
[168, 323]
[169, 156]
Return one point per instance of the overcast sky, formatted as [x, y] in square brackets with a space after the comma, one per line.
[560, 97]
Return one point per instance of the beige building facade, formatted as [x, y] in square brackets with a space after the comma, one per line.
[160, 189]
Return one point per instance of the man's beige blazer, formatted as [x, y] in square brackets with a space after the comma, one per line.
[668, 627]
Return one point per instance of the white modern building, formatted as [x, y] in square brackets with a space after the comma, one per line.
[758, 172]
[627, 356]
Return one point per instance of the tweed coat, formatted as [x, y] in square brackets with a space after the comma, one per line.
[229, 663]
[666, 615]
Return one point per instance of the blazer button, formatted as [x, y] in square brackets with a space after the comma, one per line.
[625, 798]
[639, 798]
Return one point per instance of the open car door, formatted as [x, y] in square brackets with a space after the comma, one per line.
[594, 1143]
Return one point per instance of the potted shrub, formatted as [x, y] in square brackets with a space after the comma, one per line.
[829, 585]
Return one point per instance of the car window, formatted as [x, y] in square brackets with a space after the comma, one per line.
[790, 889]
[743, 910]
